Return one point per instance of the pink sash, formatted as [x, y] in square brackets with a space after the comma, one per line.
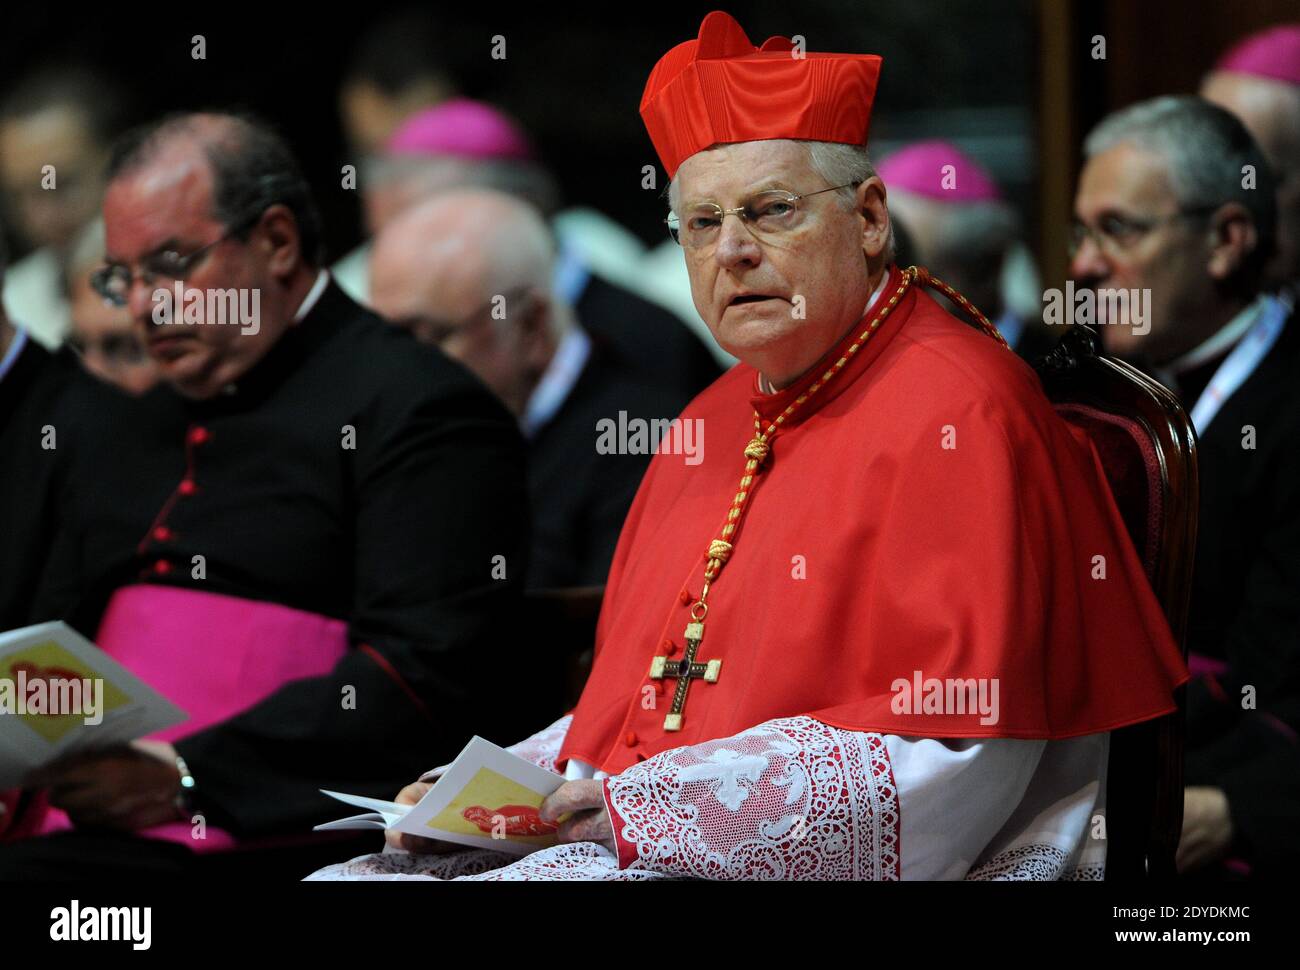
[1201, 665]
[213, 656]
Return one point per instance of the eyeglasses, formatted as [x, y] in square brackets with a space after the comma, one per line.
[1116, 234]
[116, 349]
[113, 282]
[434, 330]
[767, 215]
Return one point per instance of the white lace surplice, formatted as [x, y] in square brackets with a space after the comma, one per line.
[794, 798]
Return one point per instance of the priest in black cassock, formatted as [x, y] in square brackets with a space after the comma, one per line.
[311, 537]
[1162, 210]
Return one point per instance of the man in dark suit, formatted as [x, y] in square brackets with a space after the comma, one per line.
[30, 382]
[1163, 213]
[312, 532]
[647, 336]
[471, 270]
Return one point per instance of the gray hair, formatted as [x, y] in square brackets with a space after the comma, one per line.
[838, 164]
[1207, 150]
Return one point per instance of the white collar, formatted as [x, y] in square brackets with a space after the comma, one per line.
[1221, 340]
[765, 386]
[557, 380]
[313, 295]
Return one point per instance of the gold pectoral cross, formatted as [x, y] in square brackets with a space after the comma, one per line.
[685, 670]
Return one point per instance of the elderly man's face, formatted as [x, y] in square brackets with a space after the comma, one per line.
[1164, 253]
[442, 294]
[1270, 110]
[747, 290]
[166, 204]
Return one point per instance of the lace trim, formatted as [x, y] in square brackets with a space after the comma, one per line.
[790, 799]
[1035, 861]
[544, 747]
[579, 861]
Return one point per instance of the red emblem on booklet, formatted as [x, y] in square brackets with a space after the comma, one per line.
[519, 819]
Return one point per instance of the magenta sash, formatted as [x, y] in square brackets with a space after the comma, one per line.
[213, 656]
[1201, 665]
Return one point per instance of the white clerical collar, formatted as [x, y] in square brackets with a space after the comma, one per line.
[15, 348]
[1221, 340]
[313, 295]
[557, 381]
[765, 386]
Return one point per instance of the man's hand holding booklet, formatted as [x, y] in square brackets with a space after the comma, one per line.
[487, 798]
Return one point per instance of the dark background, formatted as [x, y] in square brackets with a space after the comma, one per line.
[573, 74]
[1010, 81]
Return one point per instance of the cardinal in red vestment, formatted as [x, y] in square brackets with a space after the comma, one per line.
[882, 626]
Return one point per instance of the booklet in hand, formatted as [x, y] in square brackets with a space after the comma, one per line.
[487, 797]
[60, 694]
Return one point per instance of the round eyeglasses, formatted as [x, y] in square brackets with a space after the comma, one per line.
[768, 215]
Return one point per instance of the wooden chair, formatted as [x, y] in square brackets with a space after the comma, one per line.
[1148, 449]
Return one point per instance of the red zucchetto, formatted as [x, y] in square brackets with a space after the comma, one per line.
[720, 88]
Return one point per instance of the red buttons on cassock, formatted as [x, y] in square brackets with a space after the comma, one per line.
[631, 739]
[162, 533]
[187, 486]
[162, 567]
[670, 647]
[199, 435]
[659, 687]
[685, 597]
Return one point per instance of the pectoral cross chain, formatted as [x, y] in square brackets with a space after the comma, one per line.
[684, 671]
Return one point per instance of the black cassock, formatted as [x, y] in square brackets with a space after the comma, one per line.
[1245, 606]
[28, 394]
[352, 473]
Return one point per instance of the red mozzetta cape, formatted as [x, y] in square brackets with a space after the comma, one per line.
[871, 551]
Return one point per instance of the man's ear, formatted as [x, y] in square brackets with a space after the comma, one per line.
[279, 232]
[536, 336]
[870, 202]
[1232, 238]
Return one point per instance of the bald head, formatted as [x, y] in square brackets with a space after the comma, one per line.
[1270, 110]
[470, 270]
[454, 252]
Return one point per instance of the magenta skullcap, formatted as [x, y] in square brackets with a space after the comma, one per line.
[1272, 53]
[922, 168]
[461, 128]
